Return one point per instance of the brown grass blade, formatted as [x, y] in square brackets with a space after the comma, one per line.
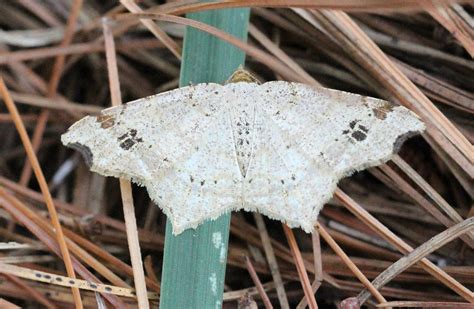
[125, 185]
[157, 31]
[455, 20]
[74, 49]
[182, 7]
[419, 253]
[421, 304]
[423, 202]
[362, 278]
[403, 247]
[51, 93]
[12, 205]
[43, 185]
[51, 278]
[271, 260]
[32, 291]
[258, 54]
[258, 283]
[308, 291]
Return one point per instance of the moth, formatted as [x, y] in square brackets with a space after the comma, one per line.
[278, 148]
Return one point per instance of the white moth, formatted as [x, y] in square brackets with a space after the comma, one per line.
[278, 148]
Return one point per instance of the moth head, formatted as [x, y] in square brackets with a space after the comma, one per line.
[242, 76]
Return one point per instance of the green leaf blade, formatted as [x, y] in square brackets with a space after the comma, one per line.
[194, 261]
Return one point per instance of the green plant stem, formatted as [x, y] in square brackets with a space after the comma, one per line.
[194, 261]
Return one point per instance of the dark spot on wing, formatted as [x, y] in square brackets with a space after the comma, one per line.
[59, 279]
[282, 182]
[127, 144]
[129, 139]
[84, 151]
[108, 289]
[203, 182]
[293, 177]
[359, 135]
[106, 121]
[363, 128]
[122, 137]
[72, 282]
[353, 123]
[38, 275]
[357, 131]
[191, 178]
